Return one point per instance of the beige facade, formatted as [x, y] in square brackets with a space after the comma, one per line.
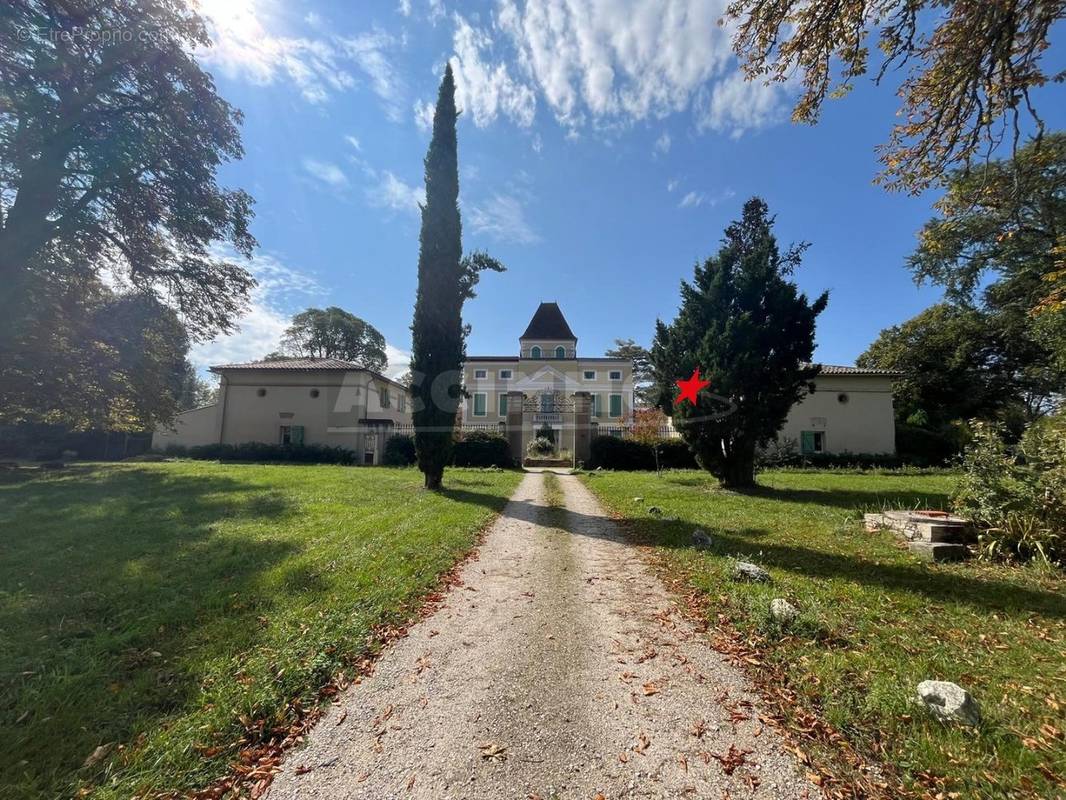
[850, 411]
[547, 372]
[295, 401]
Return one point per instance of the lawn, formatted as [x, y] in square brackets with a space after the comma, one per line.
[165, 611]
[875, 620]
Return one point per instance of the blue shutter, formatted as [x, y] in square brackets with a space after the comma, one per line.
[503, 404]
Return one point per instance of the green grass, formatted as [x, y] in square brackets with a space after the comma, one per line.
[875, 620]
[163, 607]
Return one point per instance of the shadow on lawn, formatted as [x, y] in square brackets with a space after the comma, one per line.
[118, 589]
[942, 586]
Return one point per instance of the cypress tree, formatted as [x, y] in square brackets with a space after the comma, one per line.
[750, 331]
[437, 349]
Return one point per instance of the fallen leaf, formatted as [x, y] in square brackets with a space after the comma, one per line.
[491, 751]
[642, 742]
[98, 755]
[650, 689]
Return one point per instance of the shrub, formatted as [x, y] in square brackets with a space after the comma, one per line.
[540, 447]
[399, 451]
[924, 447]
[1017, 503]
[482, 449]
[259, 451]
[546, 431]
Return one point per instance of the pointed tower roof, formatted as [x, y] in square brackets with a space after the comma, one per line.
[548, 323]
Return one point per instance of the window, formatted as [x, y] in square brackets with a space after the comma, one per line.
[384, 395]
[616, 374]
[503, 404]
[534, 352]
[480, 374]
[843, 398]
[547, 403]
[314, 393]
[812, 442]
[401, 401]
[560, 352]
[506, 374]
[480, 402]
[260, 392]
[615, 409]
[589, 374]
[291, 434]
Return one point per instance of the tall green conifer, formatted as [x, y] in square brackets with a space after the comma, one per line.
[437, 331]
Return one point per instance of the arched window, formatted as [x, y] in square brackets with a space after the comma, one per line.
[560, 352]
[534, 352]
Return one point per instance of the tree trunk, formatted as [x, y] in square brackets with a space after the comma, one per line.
[434, 479]
[739, 469]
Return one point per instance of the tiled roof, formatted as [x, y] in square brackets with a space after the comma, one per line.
[294, 364]
[835, 369]
[548, 323]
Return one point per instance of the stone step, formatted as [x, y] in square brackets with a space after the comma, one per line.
[939, 551]
[915, 526]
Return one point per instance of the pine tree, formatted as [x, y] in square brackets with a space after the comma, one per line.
[749, 330]
[437, 330]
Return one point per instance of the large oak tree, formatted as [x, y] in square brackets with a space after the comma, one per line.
[111, 136]
[971, 68]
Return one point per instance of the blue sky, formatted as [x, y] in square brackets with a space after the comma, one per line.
[603, 148]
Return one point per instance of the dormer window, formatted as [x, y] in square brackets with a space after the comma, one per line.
[560, 352]
[534, 352]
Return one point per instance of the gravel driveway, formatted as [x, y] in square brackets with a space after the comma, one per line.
[558, 669]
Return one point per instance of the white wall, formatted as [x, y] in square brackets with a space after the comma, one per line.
[863, 424]
[334, 417]
[190, 428]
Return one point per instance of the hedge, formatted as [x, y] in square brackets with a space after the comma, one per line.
[482, 449]
[399, 450]
[258, 451]
[612, 452]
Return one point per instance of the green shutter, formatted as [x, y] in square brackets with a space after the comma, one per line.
[479, 405]
[597, 405]
[503, 404]
[616, 405]
[807, 442]
[296, 434]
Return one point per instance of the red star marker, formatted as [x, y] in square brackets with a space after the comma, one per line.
[691, 388]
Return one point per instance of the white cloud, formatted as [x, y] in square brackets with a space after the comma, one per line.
[735, 105]
[327, 173]
[503, 217]
[538, 143]
[692, 200]
[695, 199]
[485, 90]
[424, 111]
[612, 62]
[662, 144]
[618, 58]
[672, 184]
[368, 51]
[399, 361]
[354, 142]
[391, 192]
[247, 45]
[404, 7]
